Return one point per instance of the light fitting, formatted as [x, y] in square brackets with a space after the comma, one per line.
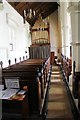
[29, 14]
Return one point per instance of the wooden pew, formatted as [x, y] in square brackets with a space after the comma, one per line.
[39, 63]
[79, 95]
[76, 79]
[30, 62]
[29, 74]
[16, 107]
[75, 86]
[66, 66]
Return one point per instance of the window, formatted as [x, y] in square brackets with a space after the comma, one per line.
[11, 39]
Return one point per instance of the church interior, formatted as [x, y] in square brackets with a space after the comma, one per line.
[39, 60]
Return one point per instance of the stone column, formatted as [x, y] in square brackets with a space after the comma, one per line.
[74, 11]
[63, 14]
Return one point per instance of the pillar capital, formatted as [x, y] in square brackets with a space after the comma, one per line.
[75, 43]
[74, 7]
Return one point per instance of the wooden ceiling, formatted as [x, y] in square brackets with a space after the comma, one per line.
[43, 8]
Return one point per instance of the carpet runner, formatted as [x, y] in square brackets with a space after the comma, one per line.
[58, 104]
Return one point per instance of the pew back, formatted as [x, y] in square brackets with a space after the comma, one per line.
[31, 73]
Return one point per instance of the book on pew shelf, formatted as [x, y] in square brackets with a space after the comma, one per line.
[21, 92]
[18, 97]
[12, 87]
[8, 93]
[14, 94]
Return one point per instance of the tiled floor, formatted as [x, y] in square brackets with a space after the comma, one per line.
[58, 105]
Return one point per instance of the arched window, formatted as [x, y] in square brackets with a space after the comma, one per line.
[11, 38]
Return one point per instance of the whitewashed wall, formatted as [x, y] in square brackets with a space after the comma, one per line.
[65, 28]
[9, 18]
[54, 36]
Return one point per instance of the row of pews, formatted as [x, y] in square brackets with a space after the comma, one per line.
[34, 77]
[15, 60]
[66, 67]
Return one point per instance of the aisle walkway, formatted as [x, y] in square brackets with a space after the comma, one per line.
[58, 105]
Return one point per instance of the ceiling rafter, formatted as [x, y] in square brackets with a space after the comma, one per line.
[19, 5]
[43, 8]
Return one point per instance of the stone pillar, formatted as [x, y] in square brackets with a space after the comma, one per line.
[63, 41]
[63, 14]
[74, 11]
